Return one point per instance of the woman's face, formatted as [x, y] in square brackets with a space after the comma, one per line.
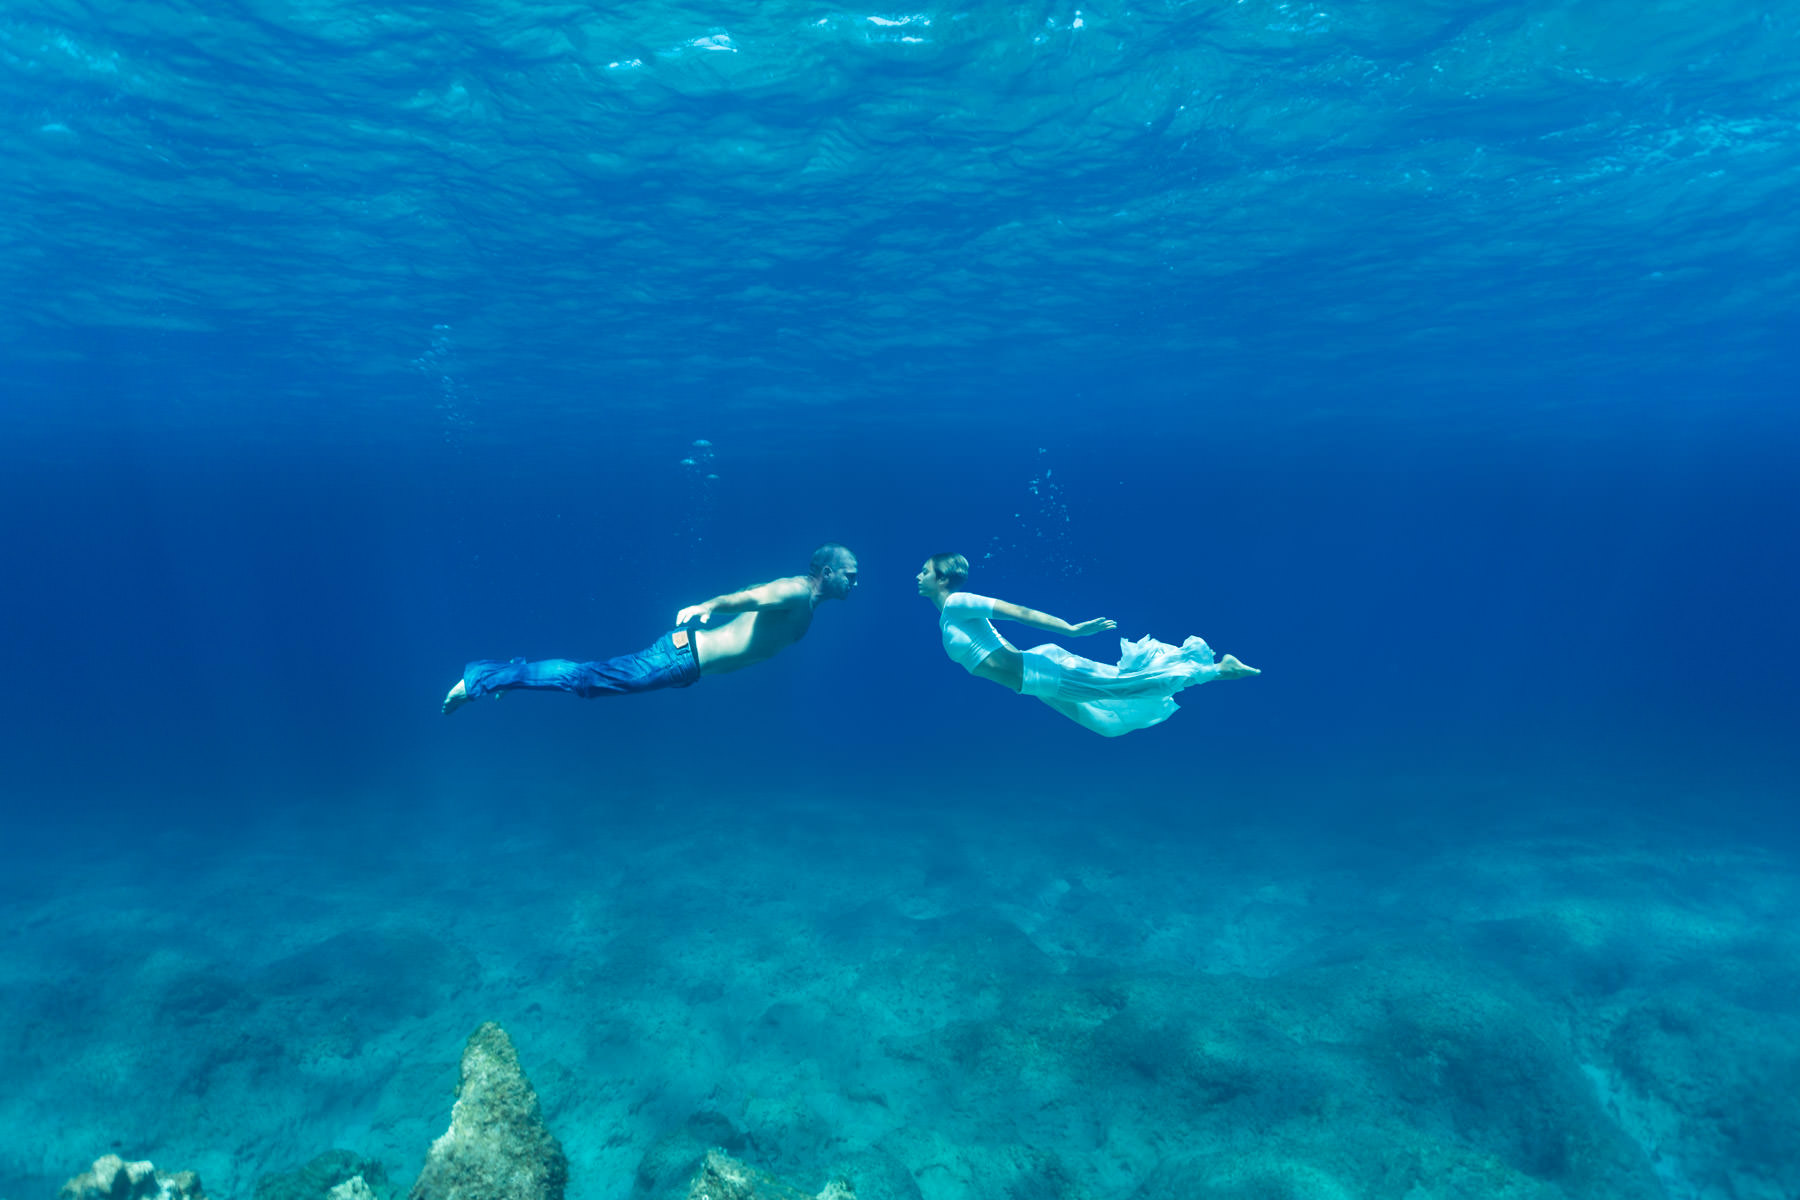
[928, 580]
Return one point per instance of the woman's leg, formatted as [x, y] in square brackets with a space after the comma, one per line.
[1230, 668]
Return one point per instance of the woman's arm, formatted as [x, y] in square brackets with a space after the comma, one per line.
[1048, 623]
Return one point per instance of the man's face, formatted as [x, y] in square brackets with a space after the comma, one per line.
[840, 577]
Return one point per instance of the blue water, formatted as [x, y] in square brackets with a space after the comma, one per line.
[1437, 360]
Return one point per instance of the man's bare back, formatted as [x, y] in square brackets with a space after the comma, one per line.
[750, 637]
[759, 622]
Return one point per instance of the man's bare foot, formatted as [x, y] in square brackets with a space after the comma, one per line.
[458, 697]
[1227, 668]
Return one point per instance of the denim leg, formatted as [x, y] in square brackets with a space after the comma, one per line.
[644, 671]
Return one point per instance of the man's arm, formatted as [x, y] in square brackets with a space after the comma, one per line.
[777, 593]
[1048, 623]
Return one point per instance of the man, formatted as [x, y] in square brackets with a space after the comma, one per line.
[766, 619]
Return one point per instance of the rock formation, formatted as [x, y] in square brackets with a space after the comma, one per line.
[327, 1177]
[722, 1177]
[353, 1188]
[497, 1147]
[112, 1178]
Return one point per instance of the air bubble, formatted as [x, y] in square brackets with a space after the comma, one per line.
[1040, 539]
[455, 402]
[700, 483]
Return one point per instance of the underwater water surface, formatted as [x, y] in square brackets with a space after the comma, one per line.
[1436, 360]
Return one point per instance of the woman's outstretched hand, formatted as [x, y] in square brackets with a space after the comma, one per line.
[1097, 625]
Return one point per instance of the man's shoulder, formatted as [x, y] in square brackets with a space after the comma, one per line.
[791, 588]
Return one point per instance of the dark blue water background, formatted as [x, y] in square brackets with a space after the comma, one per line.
[1434, 359]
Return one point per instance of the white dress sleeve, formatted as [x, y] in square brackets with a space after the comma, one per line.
[967, 606]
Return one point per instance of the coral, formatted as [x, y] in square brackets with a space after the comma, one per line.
[497, 1146]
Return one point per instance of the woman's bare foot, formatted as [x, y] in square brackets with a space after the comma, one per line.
[458, 697]
[1227, 668]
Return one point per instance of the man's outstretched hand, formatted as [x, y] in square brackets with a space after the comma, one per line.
[701, 613]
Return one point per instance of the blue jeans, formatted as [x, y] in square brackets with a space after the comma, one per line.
[662, 665]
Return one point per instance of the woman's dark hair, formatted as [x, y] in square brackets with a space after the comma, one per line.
[953, 569]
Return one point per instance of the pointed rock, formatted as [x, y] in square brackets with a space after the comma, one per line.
[497, 1147]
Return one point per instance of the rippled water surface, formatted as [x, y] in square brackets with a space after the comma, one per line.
[763, 207]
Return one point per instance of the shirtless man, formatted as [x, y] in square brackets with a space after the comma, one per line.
[766, 619]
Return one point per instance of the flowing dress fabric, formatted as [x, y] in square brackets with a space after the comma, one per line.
[1136, 694]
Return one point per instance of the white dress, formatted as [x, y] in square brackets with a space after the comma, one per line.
[1110, 700]
[1136, 694]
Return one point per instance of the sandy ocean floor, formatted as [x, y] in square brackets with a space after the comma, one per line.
[935, 1002]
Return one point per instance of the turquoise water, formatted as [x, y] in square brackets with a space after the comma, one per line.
[937, 1000]
[1436, 360]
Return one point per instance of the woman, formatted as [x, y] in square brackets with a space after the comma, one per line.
[1136, 694]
